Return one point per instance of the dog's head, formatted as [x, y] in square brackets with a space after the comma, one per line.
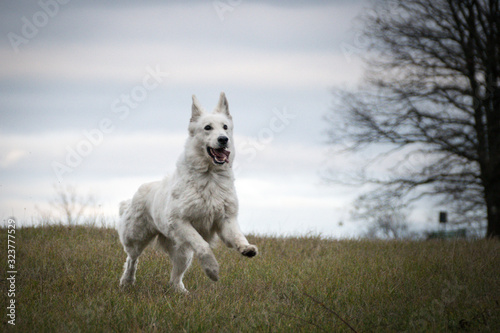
[212, 133]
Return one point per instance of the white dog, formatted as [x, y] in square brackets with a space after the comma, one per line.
[187, 210]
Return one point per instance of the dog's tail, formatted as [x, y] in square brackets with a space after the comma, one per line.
[124, 205]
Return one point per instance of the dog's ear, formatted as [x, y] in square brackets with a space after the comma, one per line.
[196, 109]
[223, 107]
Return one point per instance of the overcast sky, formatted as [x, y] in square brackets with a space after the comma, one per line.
[98, 94]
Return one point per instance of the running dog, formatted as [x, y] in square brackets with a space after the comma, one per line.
[188, 210]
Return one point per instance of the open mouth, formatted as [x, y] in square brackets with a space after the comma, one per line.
[219, 155]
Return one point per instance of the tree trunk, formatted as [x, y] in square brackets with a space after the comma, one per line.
[493, 207]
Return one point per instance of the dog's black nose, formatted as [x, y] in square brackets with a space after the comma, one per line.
[223, 140]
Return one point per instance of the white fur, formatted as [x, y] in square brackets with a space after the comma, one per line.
[187, 210]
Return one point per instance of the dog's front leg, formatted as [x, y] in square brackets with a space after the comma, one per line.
[232, 236]
[186, 234]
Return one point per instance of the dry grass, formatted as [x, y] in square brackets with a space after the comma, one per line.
[67, 281]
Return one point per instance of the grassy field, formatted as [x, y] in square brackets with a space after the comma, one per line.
[67, 281]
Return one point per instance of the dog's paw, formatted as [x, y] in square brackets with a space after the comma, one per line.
[212, 273]
[250, 251]
[210, 266]
[179, 288]
[125, 283]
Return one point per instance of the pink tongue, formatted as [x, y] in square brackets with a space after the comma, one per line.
[221, 154]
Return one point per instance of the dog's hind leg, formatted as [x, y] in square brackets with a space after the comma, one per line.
[130, 267]
[133, 246]
[133, 252]
[181, 260]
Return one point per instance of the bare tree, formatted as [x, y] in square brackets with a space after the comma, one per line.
[431, 102]
[385, 214]
[70, 203]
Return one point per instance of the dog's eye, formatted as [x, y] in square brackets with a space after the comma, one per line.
[225, 127]
[208, 128]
